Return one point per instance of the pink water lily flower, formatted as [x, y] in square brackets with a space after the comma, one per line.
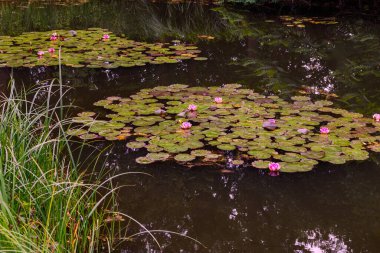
[376, 117]
[192, 107]
[218, 100]
[54, 37]
[274, 166]
[303, 131]
[272, 121]
[51, 50]
[324, 130]
[106, 36]
[186, 125]
[40, 53]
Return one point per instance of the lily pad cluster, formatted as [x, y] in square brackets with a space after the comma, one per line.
[302, 21]
[93, 48]
[240, 126]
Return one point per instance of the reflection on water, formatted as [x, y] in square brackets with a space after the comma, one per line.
[332, 209]
[315, 241]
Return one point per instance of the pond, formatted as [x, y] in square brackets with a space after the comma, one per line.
[333, 208]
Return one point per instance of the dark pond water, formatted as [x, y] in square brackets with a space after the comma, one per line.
[332, 209]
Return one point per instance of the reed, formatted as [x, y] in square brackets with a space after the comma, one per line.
[46, 204]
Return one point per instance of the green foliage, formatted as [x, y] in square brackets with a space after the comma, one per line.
[45, 204]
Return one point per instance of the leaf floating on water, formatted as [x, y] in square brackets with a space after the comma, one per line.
[135, 144]
[76, 132]
[237, 162]
[260, 164]
[295, 167]
[206, 37]
[158, 156]
[144, 160]
[88, 136]
[255, 128]
[88, 49]
[86, 114]
[184, 157]
[301, 21]
[200, 58]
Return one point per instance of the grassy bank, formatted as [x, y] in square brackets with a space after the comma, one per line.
[45, 204]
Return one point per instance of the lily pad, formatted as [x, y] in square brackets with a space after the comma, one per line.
[295, 167]
[259, 129]
[259, 164]
[87, 48]
[184, 157]
[226, 147]
[144, 160]
[158, 156]
[136, 144]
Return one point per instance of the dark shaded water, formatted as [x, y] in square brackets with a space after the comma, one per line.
[332, 209]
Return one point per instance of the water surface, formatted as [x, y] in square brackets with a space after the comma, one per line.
[331, 209]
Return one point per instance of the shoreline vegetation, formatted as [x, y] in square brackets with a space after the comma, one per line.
[48, 199]
[46, 203]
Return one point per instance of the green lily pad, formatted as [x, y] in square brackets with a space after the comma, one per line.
[237, 162]
[144, 160]
[295, 167]
[184, 157]
[226, 147]
[259, 154]
[88, 136]
[160, 121]
[200, 58]
[158, 156]
[200, 152]
[86, 114]
[136, 144]
[87, 49]
[76, 132]
[259, 164]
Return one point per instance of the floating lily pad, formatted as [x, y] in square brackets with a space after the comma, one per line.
[136, 144]
[88, 136]
[260, 164]
[200, 58]
[226, 147]
[87, 48]
[257, 128]
[144, 160]
[200, 152]
[76, 132]
[237, 162]
[158, 156]
[184, 157]
[295, 167]
[86, 114]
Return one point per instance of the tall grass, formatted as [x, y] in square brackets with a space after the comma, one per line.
[45, 203]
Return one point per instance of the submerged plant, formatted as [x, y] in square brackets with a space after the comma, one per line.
[255, 128]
